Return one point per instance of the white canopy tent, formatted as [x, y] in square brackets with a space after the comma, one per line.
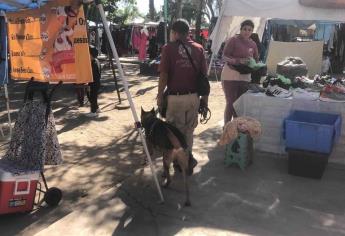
[260, 10]
[230, 26]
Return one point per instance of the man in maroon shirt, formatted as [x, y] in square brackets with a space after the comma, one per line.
[180, 78]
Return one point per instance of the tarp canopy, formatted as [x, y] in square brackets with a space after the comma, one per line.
[283, 9]
[260, 10]
[230, 26]
[16, 5]
[151, 24]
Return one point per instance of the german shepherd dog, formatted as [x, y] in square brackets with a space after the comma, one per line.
[167, 138]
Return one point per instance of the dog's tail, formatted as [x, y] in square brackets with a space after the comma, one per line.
[178, 135]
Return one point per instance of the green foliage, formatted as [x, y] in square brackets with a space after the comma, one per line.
[118, 11]
[189, 12]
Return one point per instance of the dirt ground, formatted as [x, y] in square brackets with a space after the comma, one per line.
[108, 190]
[99, 153]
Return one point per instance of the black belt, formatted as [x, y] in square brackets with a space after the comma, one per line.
[180, 93]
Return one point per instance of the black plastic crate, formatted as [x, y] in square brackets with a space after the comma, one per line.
[307, 164]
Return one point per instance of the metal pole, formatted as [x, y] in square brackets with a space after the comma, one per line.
[166, 21]
[8, 109]
[114, 75]
[129, 97]
[6, 81]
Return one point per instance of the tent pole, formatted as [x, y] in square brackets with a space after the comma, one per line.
[129, 97]
[212, 55]
[210, 65]
[8, 108]
[5, 85]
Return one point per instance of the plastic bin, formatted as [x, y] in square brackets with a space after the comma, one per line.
[312, 131]
[307, 164]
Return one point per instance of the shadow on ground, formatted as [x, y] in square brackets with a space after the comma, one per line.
[103, 180]
[262, 200]
[92, 165]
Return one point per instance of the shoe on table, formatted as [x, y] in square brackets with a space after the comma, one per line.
[276, 91]
[332, 93]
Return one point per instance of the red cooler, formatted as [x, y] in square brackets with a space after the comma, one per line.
[17, 192]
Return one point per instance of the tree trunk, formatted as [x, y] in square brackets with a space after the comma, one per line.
[152, 10]
[200, 6]
[179, 4]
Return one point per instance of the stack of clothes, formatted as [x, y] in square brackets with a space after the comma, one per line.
[292, 67]
[250, 67]
[238, 125]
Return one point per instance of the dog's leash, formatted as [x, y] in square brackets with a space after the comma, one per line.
[205, 113]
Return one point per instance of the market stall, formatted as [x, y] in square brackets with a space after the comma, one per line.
[295, 88]
[259, 11]
[271, 112]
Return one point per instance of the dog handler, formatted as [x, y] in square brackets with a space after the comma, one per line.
[178, 75]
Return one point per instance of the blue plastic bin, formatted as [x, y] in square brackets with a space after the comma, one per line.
[312, 131]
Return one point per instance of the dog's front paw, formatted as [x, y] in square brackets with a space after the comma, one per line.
[187, 204]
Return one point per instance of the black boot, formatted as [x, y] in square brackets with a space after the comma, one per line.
[192, 162]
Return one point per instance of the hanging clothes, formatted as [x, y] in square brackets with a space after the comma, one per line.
[153, 48]
[136, 38]
[34, 142]
[161, 33]
[143, 45]
[324, 31]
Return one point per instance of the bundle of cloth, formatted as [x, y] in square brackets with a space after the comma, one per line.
[292, 67]
[241, 124]
[250, 67]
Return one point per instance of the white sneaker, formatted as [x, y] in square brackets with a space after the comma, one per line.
[91, 114]
[304, 94]
[276, 91]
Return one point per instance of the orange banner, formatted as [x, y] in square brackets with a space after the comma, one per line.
[50, 43]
